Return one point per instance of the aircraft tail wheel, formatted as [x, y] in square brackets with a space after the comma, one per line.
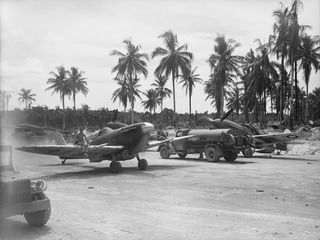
[164, 152]
[247, 153]
[115, 167]
[143, 164]
[230, 156]
[212, 154]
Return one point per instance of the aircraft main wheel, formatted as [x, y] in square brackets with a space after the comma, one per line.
[143, 164]
[247, 153]
[41, 217]
[230, 156]
[63, 162]
[212, 154]
[164, 152]
[115, 167]
[182, 155]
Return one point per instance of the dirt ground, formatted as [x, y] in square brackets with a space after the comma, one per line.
[257, 198]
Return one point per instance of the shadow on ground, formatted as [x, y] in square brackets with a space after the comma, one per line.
[287, 158]
[222, 161]
[95, 172]
[13, 229]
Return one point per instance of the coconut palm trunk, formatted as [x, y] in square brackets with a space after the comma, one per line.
[221, 102]
[281, 89]
[296, 91]
[307, 104]
[74, 99]
[174, 98]
[190, 105]
[291, 96]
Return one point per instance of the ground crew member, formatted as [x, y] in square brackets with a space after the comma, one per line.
[81, 140]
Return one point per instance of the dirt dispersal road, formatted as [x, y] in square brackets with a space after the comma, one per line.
[257, 198]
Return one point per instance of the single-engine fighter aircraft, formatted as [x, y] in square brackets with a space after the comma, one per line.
[121, 144]
[264, 142]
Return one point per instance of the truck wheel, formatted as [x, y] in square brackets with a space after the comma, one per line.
[143, 164]
[247, 153]
[182, 155]
[230, 156]
[212, 154]
[39, 218]
[115, 167]
[164, 152]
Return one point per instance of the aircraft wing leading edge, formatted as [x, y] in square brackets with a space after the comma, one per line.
[71, 151]
[279, 138]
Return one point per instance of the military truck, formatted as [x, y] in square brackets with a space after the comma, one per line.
[214, 143]
[21, 196]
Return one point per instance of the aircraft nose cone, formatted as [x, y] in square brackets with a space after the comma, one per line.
[147, 127]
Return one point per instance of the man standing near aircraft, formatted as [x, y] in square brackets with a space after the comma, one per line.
[81, 140]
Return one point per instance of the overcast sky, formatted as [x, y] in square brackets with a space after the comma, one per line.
[39, 35]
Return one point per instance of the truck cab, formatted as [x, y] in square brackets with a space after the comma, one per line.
[21, 196]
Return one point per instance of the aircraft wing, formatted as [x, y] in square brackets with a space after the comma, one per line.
[279, 137]
[71, 151]
[157, 143]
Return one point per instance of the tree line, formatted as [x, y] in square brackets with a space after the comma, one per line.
[247, 83]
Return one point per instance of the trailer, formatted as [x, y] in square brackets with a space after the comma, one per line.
[214, 143]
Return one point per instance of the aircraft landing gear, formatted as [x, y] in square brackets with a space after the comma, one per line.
[63, 162]
[142, 163]
[115, 167]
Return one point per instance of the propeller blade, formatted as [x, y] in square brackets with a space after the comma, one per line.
[226, 114]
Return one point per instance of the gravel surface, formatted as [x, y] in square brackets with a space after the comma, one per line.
[259, 198]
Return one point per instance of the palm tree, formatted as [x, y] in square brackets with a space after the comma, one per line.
[224, 67]
[260, 75]
[59, 84]
[211, 89]
[188, 82]
[27, 97]
[294, 30]
[174, 58]
[130, 65]
[121, 93]
[310, 57]
[152, 101]
[134, 93]
[77, 83]
[280, 31]
[160, 88]
[235, 98]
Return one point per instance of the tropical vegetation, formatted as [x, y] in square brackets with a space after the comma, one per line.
[263, 84]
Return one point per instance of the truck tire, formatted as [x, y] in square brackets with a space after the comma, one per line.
[212, 154]
[230, 156]
[39, 218]
[182, 155]
[164, 152]
[247, 153]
